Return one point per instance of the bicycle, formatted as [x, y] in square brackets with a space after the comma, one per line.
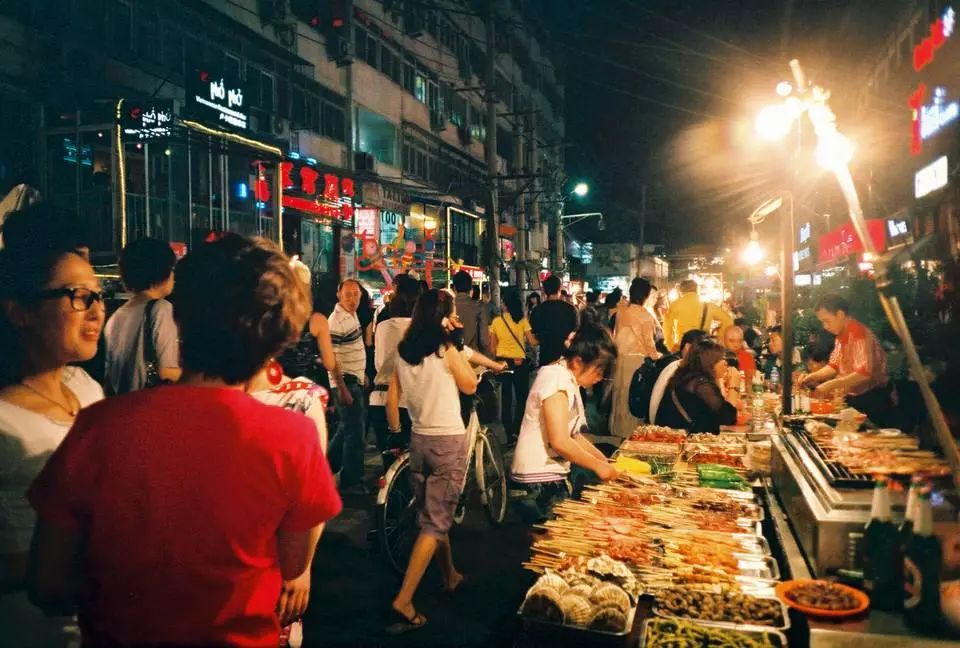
[397, 526]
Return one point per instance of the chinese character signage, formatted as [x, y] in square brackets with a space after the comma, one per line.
[139, 121]
[313, 192]
[218, 101]
[843, 241]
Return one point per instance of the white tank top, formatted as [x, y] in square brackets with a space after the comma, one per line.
[431, 395]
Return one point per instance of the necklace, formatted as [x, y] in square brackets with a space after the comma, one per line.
[69, 410]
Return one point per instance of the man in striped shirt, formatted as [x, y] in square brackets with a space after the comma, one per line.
[346, 444]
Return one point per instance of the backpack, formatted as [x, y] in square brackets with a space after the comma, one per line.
[641, 389]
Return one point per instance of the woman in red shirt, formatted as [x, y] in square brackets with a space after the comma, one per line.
[171, 515]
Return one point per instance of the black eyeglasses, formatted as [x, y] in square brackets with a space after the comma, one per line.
[81, 299]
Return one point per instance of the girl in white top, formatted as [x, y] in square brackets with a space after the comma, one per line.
[431, 373]
[550, 434]
[52, 315]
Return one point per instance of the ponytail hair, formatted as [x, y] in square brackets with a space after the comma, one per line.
[593, 344]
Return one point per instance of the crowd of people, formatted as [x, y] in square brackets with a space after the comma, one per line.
[165, 473]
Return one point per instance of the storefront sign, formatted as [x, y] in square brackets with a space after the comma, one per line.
[306, 189]
[803, 255]
[367, 221]
[391, 223]
[940, 31]
[931, 177]
[843, 241]
[938, 114]
[146, 121]
[215, 99]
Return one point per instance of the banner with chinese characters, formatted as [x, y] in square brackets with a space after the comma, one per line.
[312, 192]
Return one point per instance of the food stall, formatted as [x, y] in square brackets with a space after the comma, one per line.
[712, 537]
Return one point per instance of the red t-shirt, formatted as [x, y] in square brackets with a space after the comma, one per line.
[178, 493]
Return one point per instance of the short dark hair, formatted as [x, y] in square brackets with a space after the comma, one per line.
[691, 336]
[775, 330]
[640, 289]
[613, 298]
[593, 297]
[406, 289]
[594, 345]
[44, 226]
[551, 285]
[688, 286]
[145, 263]
[238, 303]
[462, 281]
[741, 322]
[832, 303]
[817, 352]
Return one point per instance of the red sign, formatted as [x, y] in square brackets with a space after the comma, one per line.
[309, 194]
[939, 32]
[916, 105]
[843, 241]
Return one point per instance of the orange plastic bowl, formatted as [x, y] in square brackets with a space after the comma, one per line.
[863, 601]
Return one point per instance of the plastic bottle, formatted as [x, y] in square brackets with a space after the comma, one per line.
[775, 379]
[882, 560]
[921, 571]
[757, 385]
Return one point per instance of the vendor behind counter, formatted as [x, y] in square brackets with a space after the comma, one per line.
[857, 368]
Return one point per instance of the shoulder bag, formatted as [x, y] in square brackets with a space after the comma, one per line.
[517, 362]
[150, 361]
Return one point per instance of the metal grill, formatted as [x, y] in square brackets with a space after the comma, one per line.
[838, 475]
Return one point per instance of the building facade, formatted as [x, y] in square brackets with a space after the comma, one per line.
[362, 122]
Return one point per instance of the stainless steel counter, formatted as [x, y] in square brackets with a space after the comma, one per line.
[876, 630]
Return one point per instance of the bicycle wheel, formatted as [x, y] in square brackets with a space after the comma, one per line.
[397, 522]
[492, 478]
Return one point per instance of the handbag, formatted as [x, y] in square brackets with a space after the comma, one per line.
[517, 362]
[150, 361]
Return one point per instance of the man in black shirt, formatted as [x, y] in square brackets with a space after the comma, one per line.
[553, 321]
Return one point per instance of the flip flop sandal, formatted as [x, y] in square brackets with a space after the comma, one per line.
[464, 581]
[403, 624]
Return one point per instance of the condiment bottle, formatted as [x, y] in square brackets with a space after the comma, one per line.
[921, 571]
[882, 560]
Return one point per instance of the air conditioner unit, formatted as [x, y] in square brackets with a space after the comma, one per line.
[364, 162]
[279, 127]
[438, 121]
[339, 50]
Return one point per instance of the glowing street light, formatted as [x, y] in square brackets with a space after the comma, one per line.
[834, 151]
[753, 253]
[784, 89]
[770, 271]
[774, 122]
[581, 189]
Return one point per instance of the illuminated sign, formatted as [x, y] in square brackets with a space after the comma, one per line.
[897, 228]
[931, 177]
[843, 241]
[146, 122]
[805, 232]
[937, 115]
[940, 31]
[214, 98]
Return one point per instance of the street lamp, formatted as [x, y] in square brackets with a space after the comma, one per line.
[581, 189]
[753, 253]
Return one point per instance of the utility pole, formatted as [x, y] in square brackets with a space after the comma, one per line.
[520, 204]
[493, 211]
[643, 219]
[535, 205]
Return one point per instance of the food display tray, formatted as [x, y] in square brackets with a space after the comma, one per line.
[758, 567]
[578, 632]
[777, 638]
[783, 625]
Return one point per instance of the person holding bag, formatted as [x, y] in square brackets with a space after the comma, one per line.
[508, 331]
[143, 349]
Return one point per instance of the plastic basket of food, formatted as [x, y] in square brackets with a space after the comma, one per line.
[663, 633]
[730, 608]
[577, 601]
[658, 434]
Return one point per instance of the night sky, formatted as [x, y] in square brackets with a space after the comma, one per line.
[663, 93]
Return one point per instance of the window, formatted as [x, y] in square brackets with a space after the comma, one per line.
[458, 109]
[377, 136]
[172, 48]
[120, 22]
[231, 67]
[266, 92]
[409, 73]
[298, 109]
[331, 121]
[420, 87]
[366, 45]
[390, 64]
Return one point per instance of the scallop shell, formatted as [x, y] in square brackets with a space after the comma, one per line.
[578, 578]
[576, 609]
[608, 619]
[553, 581]
[583, 589]
[543, 604]
[610, 593]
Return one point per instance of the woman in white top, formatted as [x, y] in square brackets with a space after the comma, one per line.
[550, 434]
[52, 315]
[430, 375]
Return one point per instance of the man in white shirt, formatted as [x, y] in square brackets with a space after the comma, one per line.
[346, 444]
[660, 387]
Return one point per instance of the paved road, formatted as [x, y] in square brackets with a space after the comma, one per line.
[353, 585]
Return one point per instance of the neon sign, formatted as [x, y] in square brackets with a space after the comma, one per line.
[931, 177]
[937, 115]
[940, 31]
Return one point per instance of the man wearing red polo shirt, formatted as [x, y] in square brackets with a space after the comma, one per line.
[857, 366]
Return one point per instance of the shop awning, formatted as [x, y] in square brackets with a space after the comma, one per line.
[507, 231]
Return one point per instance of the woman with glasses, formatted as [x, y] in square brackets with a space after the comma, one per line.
[52, 314]
[188, 514]
[551, 436]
